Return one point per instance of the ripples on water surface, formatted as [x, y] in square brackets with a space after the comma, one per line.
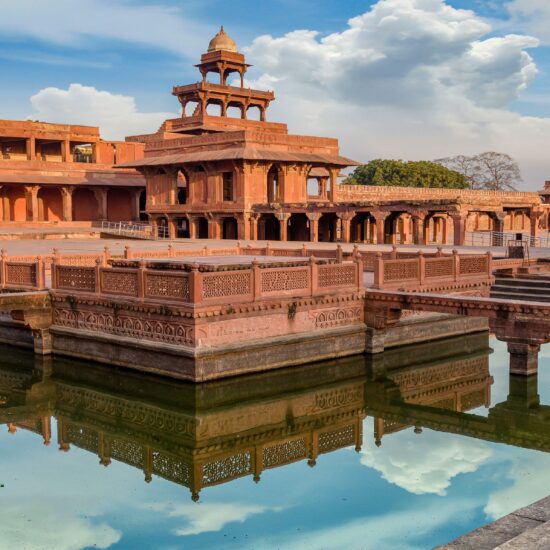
[349, 454]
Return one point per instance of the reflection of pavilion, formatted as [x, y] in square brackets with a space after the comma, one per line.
[208, 434]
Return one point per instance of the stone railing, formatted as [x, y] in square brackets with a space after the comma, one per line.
[421, 272]
[206, 284]
[21, 275]
[370, 192]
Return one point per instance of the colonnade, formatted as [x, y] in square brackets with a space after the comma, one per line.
[67, 203]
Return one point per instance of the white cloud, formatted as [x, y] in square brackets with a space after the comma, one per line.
[210, 516]
[533, 16]
[66, 22]
[116, 115]
[408, 79]
[51, 526]
[425, 464]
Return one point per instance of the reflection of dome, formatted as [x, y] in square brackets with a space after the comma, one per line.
[222, 41]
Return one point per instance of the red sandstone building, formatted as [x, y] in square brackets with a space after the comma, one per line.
[65, 173]
[215, 173]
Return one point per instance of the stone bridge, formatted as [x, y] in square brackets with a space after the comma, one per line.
[523, 325]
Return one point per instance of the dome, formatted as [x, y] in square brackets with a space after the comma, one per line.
[222, 41]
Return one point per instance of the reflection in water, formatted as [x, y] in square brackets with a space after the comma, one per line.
[199, 436]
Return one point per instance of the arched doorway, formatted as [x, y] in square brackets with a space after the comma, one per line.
[119, 205]
[50, 204]
[396, 229]
[363, 228]
[328, 224]
[229, 228]
[15, 204]
[202, 228]
[269, 228]
[298, 228]
[85, 207]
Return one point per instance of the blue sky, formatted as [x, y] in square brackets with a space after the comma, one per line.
[405, 79]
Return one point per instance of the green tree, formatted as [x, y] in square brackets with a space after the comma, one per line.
[406, 174]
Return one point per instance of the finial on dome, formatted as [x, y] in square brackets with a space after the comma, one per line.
[222, 41]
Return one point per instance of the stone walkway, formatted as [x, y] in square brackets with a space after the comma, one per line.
[525, 529]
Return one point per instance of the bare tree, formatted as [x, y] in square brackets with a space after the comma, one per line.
[490, 170]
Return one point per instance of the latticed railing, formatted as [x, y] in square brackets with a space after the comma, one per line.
[422, 271]
[498, 239]
[188, 283]
[20, 274]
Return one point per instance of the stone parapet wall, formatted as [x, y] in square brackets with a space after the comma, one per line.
[378, 193]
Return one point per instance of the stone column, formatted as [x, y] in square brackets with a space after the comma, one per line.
[498, 227]
[524, 358]
[346, 225]
[534, 222]
[66, 151]
[459, 227]
[380, 218]
[523, 392]
[192, 227]
[31, 196]
[172, 228]
[418, 228]
[243, 228]
[31, 148]
[283, 225]
[214, 231]
[67, 195]
[135, 204]
[445, 236]
[313, 218]
[253, 220]
[333, 195]
[101, 198]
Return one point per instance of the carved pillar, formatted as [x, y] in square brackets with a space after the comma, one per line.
[31, 197]
[346, 225]
[380, 218]
[253, 220]
[523, 392]
[445, 235]
[459, 228]
[283, 225]
[524, 358]
[135, 204]
[243, 227]
[31, 148]
[101, 198]
[498, 227]
[333, 195]
[313, 218]
[67, 195]
[66, 151]
[192, 227]
[418, 228]
[214, 229]
[534, 222]
[172, 228]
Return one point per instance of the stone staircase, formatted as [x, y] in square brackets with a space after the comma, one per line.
[522, 286]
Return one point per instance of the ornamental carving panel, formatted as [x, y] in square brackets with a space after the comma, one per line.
[400, 270]
[439, 267]
[284, 453]
[470, 265]
[119, 282]
[223, 469]
[336, 275]
[338, 317]
[472, 400]
[172, 468]
[21, 274]
[338, 398]
[157, 330]
[344, 437]
[218, 285]
[167, 286]
[78, 278]
[281, 280]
